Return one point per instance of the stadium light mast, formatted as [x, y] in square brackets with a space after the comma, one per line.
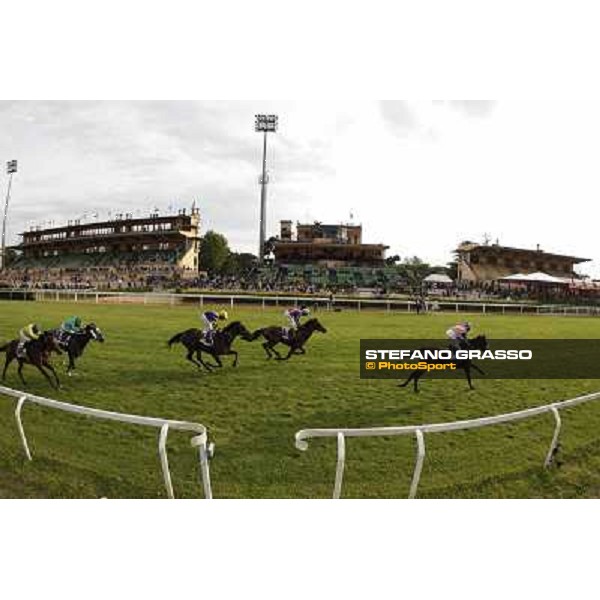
[11, 168]
[264, 124]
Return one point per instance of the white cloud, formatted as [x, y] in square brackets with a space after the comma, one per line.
[421, 176]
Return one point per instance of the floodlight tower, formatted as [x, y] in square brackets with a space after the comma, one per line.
[11, 168]
[264, 124]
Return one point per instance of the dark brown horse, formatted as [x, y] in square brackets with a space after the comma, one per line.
[36, 353]
[75, 343]
[477, 343]
[193, 340]
[294, 339]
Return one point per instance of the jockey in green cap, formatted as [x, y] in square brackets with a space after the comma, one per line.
[71, 325]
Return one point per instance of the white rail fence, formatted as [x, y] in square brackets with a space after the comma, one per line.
[269, 300]
[199, 439]
[419, 432]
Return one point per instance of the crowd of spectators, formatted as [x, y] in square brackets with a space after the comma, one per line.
[168, 277]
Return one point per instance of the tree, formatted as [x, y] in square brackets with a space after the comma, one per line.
[390, 261]
[238, 264]
[10, 257]
[214, 252]
[452, 270]
[415, 270]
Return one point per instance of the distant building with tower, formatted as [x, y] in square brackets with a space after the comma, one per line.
[326, 245]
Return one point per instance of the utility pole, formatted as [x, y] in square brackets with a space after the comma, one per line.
[11, 168]
[264, 124]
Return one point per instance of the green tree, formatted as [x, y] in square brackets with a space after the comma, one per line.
[11, 256]
[239, 263]
[214, 252]
[452, 270]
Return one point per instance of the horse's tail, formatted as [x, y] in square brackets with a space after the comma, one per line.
[5, 347]
[176, 339]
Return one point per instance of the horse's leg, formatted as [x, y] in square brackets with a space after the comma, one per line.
[208, 366]
[267, 347]
[235, 360]
[418, 375]
[43, 372]
[217, 360]
[408, 379]
[480, 371]
[6, 363]
[287, 356]
[468, 374]
[276, 352]
[190, 357]
[52, 370]
[71, 365]
[20, 371]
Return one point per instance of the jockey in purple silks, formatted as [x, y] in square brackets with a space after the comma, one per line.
[211, 319]
[293, 315]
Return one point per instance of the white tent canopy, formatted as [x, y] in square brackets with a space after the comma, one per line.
[538, 277]
[437, 278]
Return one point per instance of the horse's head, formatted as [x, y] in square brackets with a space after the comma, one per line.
[478, 343]
[315, 325]
[94, 332]
[236, 328]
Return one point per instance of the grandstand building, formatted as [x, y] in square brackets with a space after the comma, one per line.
[329, 246]
[482, 263]
[125, 248]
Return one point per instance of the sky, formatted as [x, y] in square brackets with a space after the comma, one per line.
[421, 176]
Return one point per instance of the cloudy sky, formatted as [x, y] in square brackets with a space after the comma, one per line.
[420, 176]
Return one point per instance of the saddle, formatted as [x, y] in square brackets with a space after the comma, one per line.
[206, 338]
[63, 338]
[22, 350]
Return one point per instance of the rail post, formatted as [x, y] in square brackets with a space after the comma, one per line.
[164, 460]
[20, 403]
[200, 441]
[554, 443]
[418, 464]
[339, 470]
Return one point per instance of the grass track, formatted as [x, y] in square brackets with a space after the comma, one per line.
[253, 412]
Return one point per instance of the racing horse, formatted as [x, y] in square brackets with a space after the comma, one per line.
[194, 342]
[36, 353]
[75, 343]
[477, 343]
[294, 339]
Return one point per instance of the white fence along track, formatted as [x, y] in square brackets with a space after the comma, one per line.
[270, 300]
[419, 432]
[199, 439]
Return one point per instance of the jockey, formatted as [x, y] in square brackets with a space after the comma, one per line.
[29, 333]
[458, 334]
[294, 315]
[211, 319]
[71, 325]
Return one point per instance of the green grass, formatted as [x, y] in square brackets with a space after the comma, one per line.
[253, 412]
